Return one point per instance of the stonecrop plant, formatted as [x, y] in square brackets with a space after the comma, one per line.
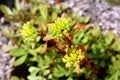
[57, 31]
[54, 45]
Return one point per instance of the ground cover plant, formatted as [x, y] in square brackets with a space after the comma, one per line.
[54, 45]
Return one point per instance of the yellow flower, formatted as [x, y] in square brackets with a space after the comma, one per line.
[60, 25]
[28, 32]
[73, 57]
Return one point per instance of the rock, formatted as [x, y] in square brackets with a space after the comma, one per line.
[6, 61]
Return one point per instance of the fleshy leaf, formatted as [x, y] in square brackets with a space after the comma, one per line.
[43, 48]
[34, 70]
[20, 60]
[6, 10]
[18, 52]
[14, 78]
[109, 38]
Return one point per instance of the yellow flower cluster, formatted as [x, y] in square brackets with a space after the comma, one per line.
[61, 25]
[73, 57]
[28, 32]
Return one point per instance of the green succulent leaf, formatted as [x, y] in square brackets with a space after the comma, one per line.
[109, 38]
[116, 45]
[17, 52]
[69, 78]
[118, 56]
[54, 16]
[86, 19]
[33, 70]
[96, 31]
[43, 11]
[6, 10]
[46, 72]
[17, 5]
[20, 60]
[47, 59]
[116, 64]
[32, 77]
[85, 40]
[58, 73]
[14, 78]
[61, 67]
[77, 37]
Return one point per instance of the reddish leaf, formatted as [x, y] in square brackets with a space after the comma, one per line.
[77, 68]
[81, 26]
[81, 48]
[57, 1]
[47, 38]
[86, 47]
[43, 48]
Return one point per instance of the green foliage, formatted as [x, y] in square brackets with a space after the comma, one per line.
[17, 5]
[114, 69]
[116, 45]
[43, 11]
[5, 10]
[96, 31]
[109, 38]
[20, 60]
[17, 52]
[14, 78]
[64, 47]
[59, 71]
[33, 76]
[79, 36]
